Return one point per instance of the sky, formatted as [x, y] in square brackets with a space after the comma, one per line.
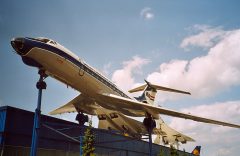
[188, 45]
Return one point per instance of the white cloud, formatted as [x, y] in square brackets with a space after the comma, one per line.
[124, 77]
[224, 152]
[222, 140]
[206, 38]
[147, 13]
[205, 75]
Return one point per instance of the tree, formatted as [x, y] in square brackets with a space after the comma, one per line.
[161, 153]
[173, 151]
[88, 141]
[184, 154]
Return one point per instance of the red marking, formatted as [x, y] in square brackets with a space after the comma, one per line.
[150, 96]
[60, 61]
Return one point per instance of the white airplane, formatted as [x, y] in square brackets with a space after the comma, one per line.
[99, 96]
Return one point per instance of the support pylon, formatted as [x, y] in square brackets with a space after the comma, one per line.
[150, 142]
[150, 124]
[37, 116]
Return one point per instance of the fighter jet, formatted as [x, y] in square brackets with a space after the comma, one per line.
[99, 96]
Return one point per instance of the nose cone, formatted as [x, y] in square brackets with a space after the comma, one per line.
[18, 44]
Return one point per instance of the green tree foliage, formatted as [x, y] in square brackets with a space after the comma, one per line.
[161, 153]
[173, 151]
[88, 141]
[184, 154]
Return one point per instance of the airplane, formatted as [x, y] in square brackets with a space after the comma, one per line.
[196, 151]
[99, 96]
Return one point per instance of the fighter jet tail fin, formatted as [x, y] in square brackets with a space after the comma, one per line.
[197, 150]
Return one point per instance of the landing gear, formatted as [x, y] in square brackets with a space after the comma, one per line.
[150, 124]
[81, 118]
[37, 116]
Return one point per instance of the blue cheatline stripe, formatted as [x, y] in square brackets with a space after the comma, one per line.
[76, 62]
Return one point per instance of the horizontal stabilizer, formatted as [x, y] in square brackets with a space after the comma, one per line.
[137, 89]
[169, 89]
[157, 87]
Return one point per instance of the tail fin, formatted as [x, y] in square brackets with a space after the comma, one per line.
[148, 95]
[150, 91]
[197, 150]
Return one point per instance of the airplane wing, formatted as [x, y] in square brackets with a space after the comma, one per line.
[84, 103]
[114, 120]
[129, 106]
[171, 136]
[108, 119]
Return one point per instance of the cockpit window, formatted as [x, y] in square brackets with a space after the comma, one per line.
[41, 39]
[53, 42]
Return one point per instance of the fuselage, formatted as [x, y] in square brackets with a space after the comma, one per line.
[63, 65]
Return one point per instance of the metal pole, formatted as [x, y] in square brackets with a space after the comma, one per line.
[150, 124]
[81, 139]
[2, 144]
[81, 145]
[150, 141]
[37, 116]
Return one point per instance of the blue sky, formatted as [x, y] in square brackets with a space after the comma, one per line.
[184, 44]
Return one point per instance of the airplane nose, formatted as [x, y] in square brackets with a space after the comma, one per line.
[18, 44]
